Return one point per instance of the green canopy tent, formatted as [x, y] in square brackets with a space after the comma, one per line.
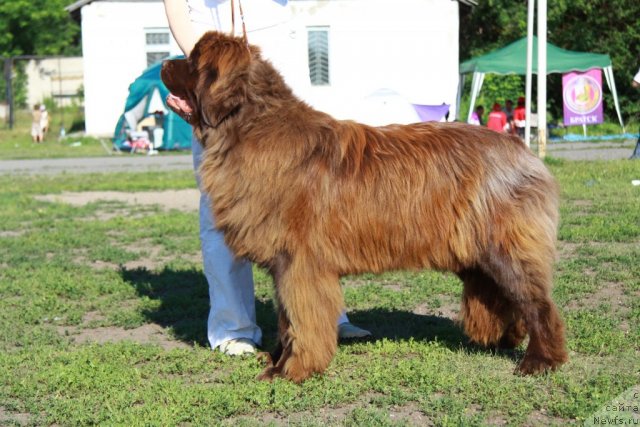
[511, 59]
[148, 94]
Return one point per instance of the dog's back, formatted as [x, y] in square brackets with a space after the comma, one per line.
[435, 194]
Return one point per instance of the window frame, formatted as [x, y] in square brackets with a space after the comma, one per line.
[157, 48]
[319, 54]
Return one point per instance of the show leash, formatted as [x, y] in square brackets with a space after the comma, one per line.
[233, 21]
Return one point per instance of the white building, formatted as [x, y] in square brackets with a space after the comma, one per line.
[357, 48]
[57, 78]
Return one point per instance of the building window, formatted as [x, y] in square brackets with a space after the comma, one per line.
[157, 42]
[318, 44]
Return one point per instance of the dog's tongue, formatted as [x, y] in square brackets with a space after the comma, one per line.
[179, 103]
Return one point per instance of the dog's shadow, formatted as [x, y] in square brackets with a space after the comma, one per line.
[181, 304]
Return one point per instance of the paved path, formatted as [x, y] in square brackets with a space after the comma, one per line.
[142, 163]
[115, 163]
[608, 150]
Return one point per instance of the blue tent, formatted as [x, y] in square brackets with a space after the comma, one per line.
[146, 94]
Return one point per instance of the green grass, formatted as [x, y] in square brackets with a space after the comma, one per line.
[67, 271]
[16, 143]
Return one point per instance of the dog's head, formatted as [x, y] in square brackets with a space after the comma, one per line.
[213, 79]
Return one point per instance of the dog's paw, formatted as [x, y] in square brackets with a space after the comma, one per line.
[269, 374]
[532, 365]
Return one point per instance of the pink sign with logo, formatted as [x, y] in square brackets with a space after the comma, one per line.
[582, 97]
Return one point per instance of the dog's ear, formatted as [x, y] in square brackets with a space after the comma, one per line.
[223, 72]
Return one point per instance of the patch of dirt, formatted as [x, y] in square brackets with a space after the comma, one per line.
[13, 418]
[568, 249]
[582, 207]
[149, 257]
[182, 200]
[396, 287]
[116, 212]
[408, 414]
[146, 334]
[12, 233]
[541, 418]
[583, 202]
[353, 283]
[91, 317]
[449, 308]
[187, 200]
[496, 419]
[609, 292]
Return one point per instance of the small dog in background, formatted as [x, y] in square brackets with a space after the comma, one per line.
[311, 199]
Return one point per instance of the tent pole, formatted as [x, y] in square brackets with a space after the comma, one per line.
[542, 78]
[608, 73]
[459, 98]
[476, 84]
[527, 126]
[474, 79]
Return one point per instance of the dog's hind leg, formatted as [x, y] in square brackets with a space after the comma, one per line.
[547, 347]
[488, 317]
[310, 301]
[526, 281]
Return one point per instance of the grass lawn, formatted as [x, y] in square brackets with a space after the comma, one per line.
[16, 143]
[103, 309]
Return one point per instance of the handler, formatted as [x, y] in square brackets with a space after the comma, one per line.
[231, 326]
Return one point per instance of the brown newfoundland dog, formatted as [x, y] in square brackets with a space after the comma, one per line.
[311, 199]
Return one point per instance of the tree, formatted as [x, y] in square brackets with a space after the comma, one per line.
[602, 26]
[37, 27]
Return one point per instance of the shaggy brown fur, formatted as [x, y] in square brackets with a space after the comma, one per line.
[312, 198]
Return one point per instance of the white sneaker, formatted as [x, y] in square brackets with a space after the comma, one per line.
[238, 347]
[348, 330]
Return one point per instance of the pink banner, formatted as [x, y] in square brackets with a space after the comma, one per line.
[582, 97]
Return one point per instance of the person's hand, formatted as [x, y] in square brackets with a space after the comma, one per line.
[635, 83]
[180, 106]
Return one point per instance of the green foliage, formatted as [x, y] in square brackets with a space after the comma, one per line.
[582, 25]
[494, 89]
[19, 85]
[36, 27]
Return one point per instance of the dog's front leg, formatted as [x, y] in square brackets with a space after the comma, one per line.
[274, 369]
[310, 301]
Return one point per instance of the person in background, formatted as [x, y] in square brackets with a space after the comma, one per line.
[44, 120]
[508, 110]
[36, 129]
[519, 117]
[476, 116]
[231, 326]
[497, 119]
[636, 83]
